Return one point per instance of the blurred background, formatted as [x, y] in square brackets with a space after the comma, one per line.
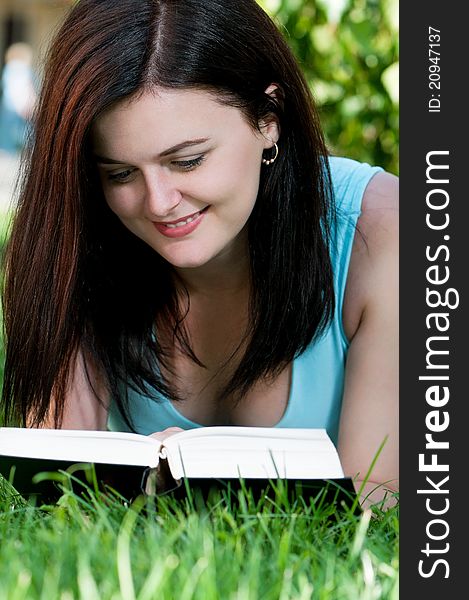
[26, 26]
[348, 50]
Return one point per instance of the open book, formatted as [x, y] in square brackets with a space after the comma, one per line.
[134, 463]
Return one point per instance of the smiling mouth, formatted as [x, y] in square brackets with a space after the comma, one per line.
[184, 221]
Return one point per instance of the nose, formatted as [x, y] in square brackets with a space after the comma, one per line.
[161, 195]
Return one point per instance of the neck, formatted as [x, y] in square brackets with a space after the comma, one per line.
[227, 273]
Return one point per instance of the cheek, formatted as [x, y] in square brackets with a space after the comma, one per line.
[245, 192]
[122, 201]
[236, 182]
[246, 170]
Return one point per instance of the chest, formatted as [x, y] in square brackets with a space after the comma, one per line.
[218, 337]
[263, 406]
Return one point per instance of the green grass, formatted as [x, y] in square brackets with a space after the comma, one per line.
[4, 227]
[96, 548]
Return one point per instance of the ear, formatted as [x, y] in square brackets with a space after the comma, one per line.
[269, 126]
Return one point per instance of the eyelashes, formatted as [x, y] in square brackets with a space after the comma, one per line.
[121, 177]
[181, 165]
[188, 165]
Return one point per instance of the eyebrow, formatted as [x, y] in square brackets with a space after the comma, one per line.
[187, 144]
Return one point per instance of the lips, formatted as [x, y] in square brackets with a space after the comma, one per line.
[183, 220]
[183, 226]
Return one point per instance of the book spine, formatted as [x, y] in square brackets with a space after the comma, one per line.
[159, 480]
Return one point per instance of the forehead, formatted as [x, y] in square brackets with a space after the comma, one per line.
[165, 117]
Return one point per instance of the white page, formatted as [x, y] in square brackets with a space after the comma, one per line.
[253, 452]
[110, 447]
[250, 452]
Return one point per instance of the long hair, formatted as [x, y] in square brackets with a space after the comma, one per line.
[75, 277]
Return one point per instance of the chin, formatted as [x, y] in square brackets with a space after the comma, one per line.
[187, 264]
[187, 260]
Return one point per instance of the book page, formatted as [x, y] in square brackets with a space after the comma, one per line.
[109, 447]
[253, 452]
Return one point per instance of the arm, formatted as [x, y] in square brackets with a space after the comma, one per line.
[82, 409]
[371, 393]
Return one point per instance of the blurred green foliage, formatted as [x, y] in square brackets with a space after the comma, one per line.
[348, 50]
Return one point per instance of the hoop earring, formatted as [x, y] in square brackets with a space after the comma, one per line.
[266, 161]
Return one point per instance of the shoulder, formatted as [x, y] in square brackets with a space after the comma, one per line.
[350, 179]
[373, 270]
[379, 219]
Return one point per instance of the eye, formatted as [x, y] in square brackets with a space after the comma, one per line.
[189, 165]
[121, 176]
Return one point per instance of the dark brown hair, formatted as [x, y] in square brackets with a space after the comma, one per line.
[74, 275]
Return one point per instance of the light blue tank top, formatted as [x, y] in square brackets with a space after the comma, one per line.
[317, 381]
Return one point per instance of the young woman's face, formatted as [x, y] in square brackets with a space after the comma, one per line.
[181, 171]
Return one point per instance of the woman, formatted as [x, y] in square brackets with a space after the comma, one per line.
[184, 251]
